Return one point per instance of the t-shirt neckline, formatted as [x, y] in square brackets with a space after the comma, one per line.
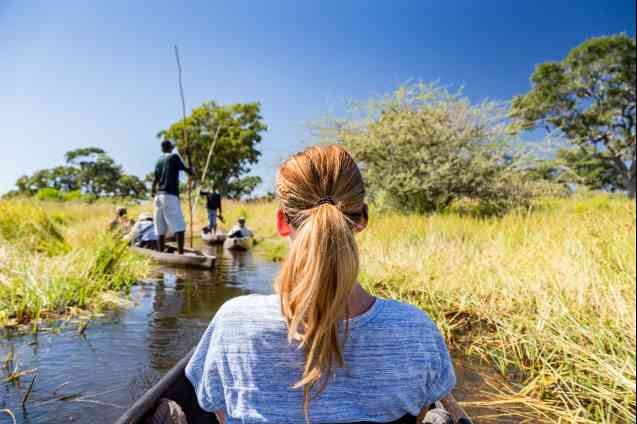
[365, 317]
[357, 321]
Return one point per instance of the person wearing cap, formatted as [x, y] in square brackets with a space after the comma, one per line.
[240, 229]
[213, 204]
[122, 223]
[143, 233]
[168, 214]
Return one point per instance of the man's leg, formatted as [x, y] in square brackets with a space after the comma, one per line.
[160, 222]
[212, 217]
[175, 220]
[209, 219]
[161, 243]
[180, 241]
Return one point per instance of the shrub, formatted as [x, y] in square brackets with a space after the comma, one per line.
[73, 196]
[422, 148]
[49, 194]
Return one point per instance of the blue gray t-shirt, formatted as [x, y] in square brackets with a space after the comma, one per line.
[396, 363]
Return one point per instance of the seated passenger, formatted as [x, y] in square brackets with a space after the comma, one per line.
[122, 224]
[322, 349]
[240, 229]
[143, 233]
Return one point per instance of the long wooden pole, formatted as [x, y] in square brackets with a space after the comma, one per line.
[205, 169]
[185, 139]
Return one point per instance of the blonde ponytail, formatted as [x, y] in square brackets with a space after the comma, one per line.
[322, 194]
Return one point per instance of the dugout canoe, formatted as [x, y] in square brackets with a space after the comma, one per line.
[190, 258]
[175, 386]
[217, 238]
[238, 243]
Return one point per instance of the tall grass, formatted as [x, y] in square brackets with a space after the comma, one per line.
[546, 295]
[57, 258]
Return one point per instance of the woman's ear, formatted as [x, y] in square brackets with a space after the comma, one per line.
[362, 224]
[282, 223]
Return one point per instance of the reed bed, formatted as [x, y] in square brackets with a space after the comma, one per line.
[57, 260]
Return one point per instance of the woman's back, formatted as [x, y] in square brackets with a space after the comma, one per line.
[396, 363]
[288, 358]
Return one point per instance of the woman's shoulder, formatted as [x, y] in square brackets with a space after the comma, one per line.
[250, 306]
[399, 312]
[410, 321]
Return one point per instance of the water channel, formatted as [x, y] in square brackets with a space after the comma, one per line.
[94, 377]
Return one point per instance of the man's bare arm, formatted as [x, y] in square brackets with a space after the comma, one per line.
[153, 191]
[221, 416]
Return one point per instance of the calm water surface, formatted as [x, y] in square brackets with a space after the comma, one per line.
[92, 378]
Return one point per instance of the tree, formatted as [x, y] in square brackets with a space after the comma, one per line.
[29, 185]
[130, 186]
[595, 172]
[237, 128]
[422, 148]
[98, 174]
[238, 188]
[64, 178]
[90, 171]
[589, 98]
[575, 166]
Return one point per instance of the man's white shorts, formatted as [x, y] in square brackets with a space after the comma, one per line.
[168, 215]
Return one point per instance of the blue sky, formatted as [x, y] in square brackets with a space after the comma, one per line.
[78, 73]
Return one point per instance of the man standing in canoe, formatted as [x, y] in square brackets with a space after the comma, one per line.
[213, 204]
[168, 214]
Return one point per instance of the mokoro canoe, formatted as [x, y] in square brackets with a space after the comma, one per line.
[238, 243]
[190, 258]
[175, 386]
[217, 238]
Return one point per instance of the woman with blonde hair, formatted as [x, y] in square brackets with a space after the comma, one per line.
[322, 349]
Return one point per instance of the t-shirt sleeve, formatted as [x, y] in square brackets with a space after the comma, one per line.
[444, 378]
[180, 164]
[203, 369]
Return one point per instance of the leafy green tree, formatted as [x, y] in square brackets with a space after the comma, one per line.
[589, 98]
[595, 172]
[89, 173]
[422, 148]
[238, 188]
[237, 129]
[98, 174]
[64, 178]
[39, 180]
[23, 186]
[575, 166]
[130, 186]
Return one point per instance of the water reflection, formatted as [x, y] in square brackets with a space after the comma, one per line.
[118, 359]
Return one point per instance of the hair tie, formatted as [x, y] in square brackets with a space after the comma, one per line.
[324, 200]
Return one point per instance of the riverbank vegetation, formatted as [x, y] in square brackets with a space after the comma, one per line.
[545, 294]
[57, 260]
